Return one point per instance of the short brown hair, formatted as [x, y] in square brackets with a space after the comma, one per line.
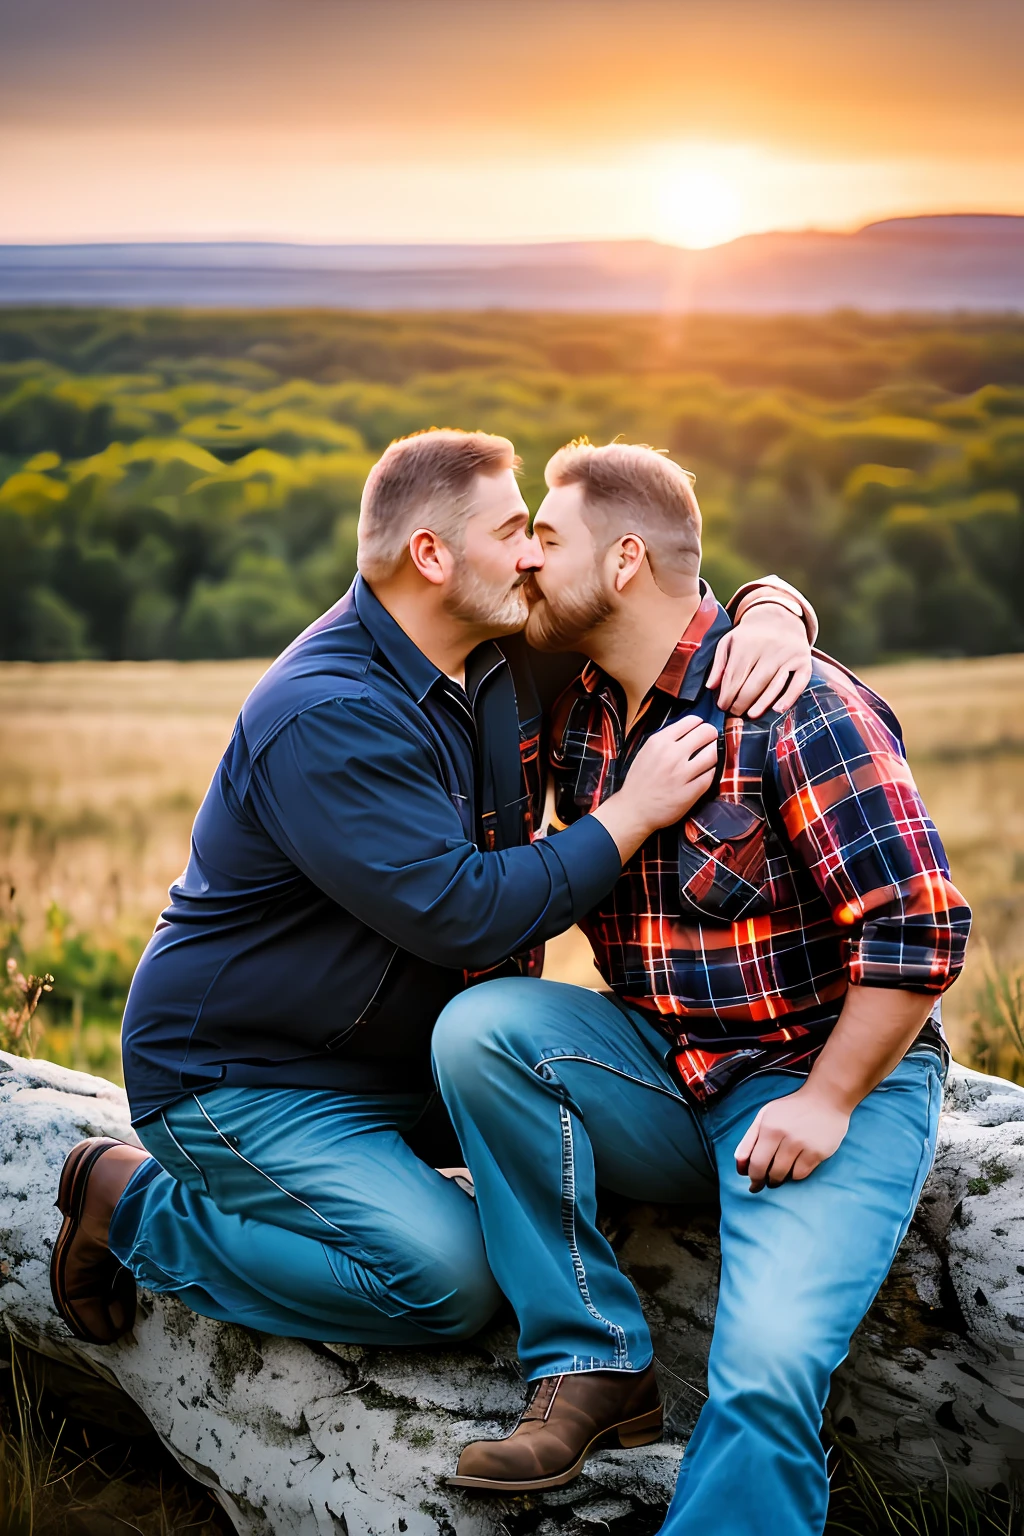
[631, 488]
[423, 480]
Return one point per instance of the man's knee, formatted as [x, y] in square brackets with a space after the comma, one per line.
[482, 1024]
[467, 1297]
[772, 1360]
[474, 1304]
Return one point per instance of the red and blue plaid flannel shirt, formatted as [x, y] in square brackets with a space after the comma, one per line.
[813, 865]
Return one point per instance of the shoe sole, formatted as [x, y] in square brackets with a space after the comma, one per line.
[70, 1200]
[644, 1430]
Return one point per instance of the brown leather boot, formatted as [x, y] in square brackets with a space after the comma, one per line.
[92, 1290]
[566, 1418]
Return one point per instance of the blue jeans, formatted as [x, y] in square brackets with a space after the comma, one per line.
[304, 1214]
[552, 1091]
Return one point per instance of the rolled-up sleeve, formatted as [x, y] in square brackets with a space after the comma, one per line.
[855, 818]
[768, 589]
[356, 800]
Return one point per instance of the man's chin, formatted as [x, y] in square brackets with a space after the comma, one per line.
[510, 621]
[472, 604]
[541, 638]
[508, 627]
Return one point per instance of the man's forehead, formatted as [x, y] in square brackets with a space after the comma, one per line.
[563, 503]
[498, 497]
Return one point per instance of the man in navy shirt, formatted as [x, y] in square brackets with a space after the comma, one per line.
[363, 854]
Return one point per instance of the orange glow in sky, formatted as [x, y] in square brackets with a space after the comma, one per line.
[445, 120]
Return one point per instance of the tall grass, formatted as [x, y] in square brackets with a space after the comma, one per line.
[76, 981]
[20, 996]
[997, 1025]
[62, 1478]
[862, 1505]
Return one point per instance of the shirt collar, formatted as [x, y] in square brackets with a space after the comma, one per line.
[415, 670]
[481, 663]
[683, 674]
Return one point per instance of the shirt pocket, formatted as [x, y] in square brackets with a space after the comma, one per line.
[723, 861]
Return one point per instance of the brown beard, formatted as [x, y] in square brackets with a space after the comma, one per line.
[559, 624]
[475, 601]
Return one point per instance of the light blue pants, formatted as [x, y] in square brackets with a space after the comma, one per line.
[553, 1090]
[304, 1214]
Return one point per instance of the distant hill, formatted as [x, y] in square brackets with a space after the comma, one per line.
[958, 261]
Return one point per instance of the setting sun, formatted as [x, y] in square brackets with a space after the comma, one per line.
[699, 206]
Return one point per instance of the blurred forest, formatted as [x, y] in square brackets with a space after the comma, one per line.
[186, 485]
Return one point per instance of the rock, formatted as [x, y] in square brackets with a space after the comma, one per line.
[335, 1439]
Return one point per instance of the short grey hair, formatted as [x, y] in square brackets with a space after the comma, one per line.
[423, 481]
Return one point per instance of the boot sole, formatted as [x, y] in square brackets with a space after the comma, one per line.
[70, 1200]
[644, 1430]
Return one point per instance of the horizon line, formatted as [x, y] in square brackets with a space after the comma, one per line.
[617, 240]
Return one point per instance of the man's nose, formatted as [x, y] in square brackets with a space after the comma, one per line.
[532, 557]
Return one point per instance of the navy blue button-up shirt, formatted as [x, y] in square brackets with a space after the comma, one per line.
[363, 846]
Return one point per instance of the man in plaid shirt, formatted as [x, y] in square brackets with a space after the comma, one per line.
[770, 1037]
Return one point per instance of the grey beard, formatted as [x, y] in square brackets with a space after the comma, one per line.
[475, 601]
[561, 625]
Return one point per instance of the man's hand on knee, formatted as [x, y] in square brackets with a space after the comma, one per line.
[790, 1137]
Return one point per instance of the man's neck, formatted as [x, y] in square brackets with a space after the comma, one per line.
[444, 640]
[635, 644]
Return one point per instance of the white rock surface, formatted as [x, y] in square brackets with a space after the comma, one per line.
[297, 1439]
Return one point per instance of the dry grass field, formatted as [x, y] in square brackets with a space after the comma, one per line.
[103, 764]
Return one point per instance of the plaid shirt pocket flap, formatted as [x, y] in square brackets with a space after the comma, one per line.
[723, 866]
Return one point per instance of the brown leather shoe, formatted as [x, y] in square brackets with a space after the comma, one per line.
[566, 1418]
[92, 1290]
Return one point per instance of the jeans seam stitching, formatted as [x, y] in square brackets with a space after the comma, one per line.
[262, 1172]
[190, 1160]
[589, 1061]
[668, 1093]
[617, 1333]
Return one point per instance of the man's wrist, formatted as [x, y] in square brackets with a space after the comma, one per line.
[766, 599]
[624, 822]
[774, 588]
[830, 1095]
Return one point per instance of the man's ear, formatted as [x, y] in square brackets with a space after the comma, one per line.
[429, 555]
[628, 556]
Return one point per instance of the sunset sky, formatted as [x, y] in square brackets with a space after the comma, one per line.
[367, 120]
